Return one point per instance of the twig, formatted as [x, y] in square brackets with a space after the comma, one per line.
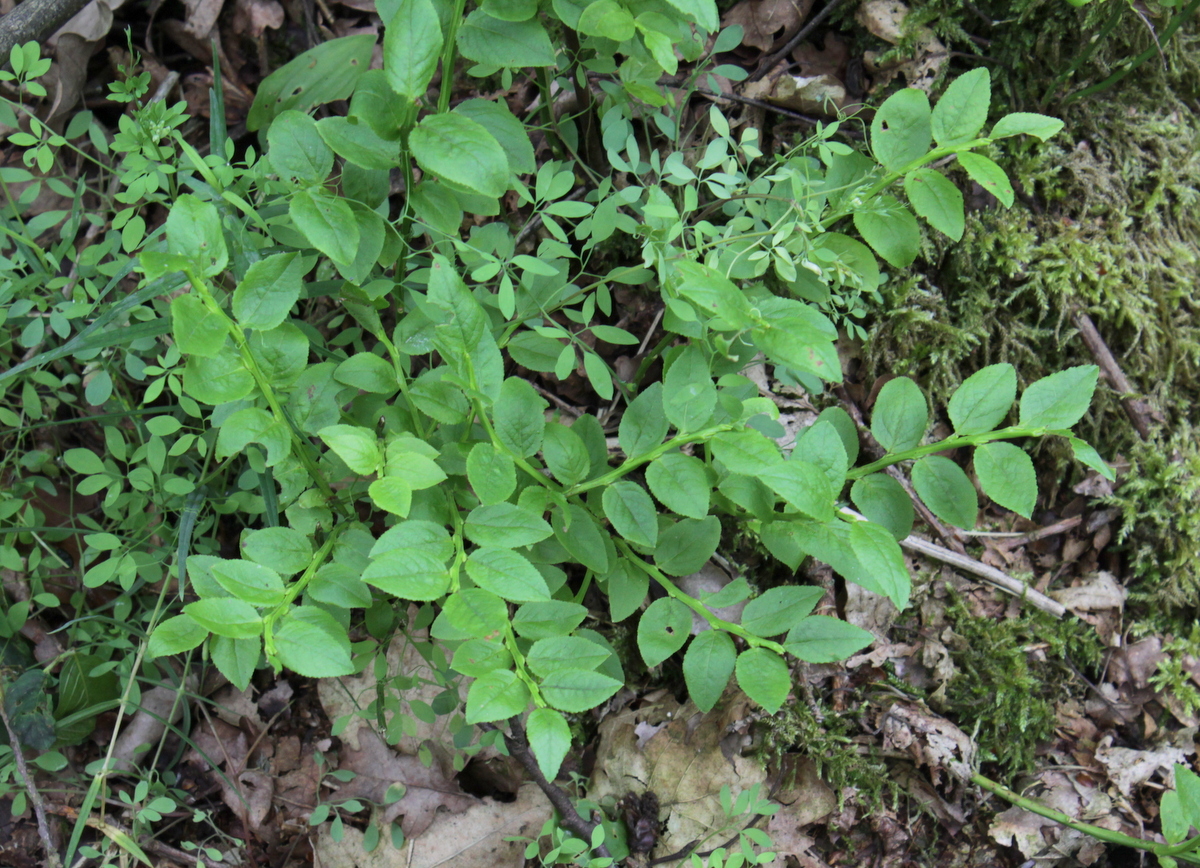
[34, 20]
[1041, 533]
[151, 844]
[1135, 409]
[991, 575]
[769, 64]
[518, 748]
[687, 850]
[35, 798]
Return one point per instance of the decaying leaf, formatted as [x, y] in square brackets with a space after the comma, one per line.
[930, 740]
[766, 22]
[885, 19]
[1128, 768]
[685, 763]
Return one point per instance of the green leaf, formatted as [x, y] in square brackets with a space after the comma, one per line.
[507, 574]
[477, 612]
[194, 231]
[375, 102]
[498, 695]
[680, 482]
[493, 42]
[549, 737]
[803, 485]
[716, 295]
[174, 636]
[703, 12]
[607, 18]
[644, 424]
[685, 547]
[963, 109]
[1059, 401]
[327, 222]
[356, 142]
[544, 620]
[254, 425]
[518, 417]
[416, 470]
[226, 616]
[988, 175]
[412, 44]
[882, 562]
[583, 539]
[946, 490]
[505, 128]
[689, 396]
[598, 375]
[578, 690]
[707, 665]
[1187, 784]
[236, 659]
[511, 10]
[901, 130]
[821, 639]
[564, 652]
[632, 512]
[506, 525]
[779, 609]
[983, 399]
[322, 74]
[934, 197]
[900, 416]
[565, 454]
[884, 501]
[1006, 475]
[339, 585]
[411, 574]
[627, 588]
[662, 629]
[1086, 454]
[764, 677]
[461, 151]
[476, 657]
[253, 583]
[821, 445]
[418, 535]
[800, 338]
[217, 380]
[891, 230]
[197, 330]
[266, 294]
[296, 150]
[357, 447]
[745, 451]
[1026, 123]
[1175, 826]
[391, 495]
[491, 473]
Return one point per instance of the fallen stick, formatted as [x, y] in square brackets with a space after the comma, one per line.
[991, 575]
[34, 20]
[1135, 409]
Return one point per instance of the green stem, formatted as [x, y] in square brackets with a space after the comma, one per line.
[631, 464]
[510, 642]
[264, 385]
[296, 588]
[1108, 836]
[955, 442]
[448, 56]
[695, 605]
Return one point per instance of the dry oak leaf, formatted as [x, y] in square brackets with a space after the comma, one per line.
[427, 789]
[760, 20]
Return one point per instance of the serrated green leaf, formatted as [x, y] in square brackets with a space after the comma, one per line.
[689, 396]
[174, 636]
[881, 562]
[662, 630]
[519, 418]
[1086, 454]
[198, 331]
[707, 665]
[934, 197]
[900, 416]
[745, 451]
[551, 618]
[884, 501]
[779, 609]
[983, 399]
[901, 130]
[254, 583]
[685, 547]
[328, 223]
[498, 695]
[462, 152]
[680, 482]
[804, 486]
[578, 690]
[644, 424]
[565, 454]
[891, 230]
[225, 616]
[549, 737]
[1026, 123]
[583, 538]
[946, 490]
[564, 652]
[988, 175]
[411, 574]
[764, 677]
[265, 296]
[1006, 475]
[491, 473]
[412, 44]
[368, 372]
[357, 447]
[1059, 401]
[627, 588]
[494, 42]
[507, 574]
[821, 639]
[194, 231]
[296, 150]
[506, 525]
[963, 108]
[631, 512]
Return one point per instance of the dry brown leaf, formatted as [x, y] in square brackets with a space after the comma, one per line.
[1099, 592]
[252, 17]
[805, 801]
[1128, 768]
[248, 792]
[929, 739]
[201, 16]
[683, 763]
[427, 789]
[885, 19]
[763, 20]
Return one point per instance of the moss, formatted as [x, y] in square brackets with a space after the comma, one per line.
[1008, 675]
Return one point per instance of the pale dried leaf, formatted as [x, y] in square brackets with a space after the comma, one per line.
[1128, 768]
[1101, 591]
[765, 22]
[252, 17]
[201, 16]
